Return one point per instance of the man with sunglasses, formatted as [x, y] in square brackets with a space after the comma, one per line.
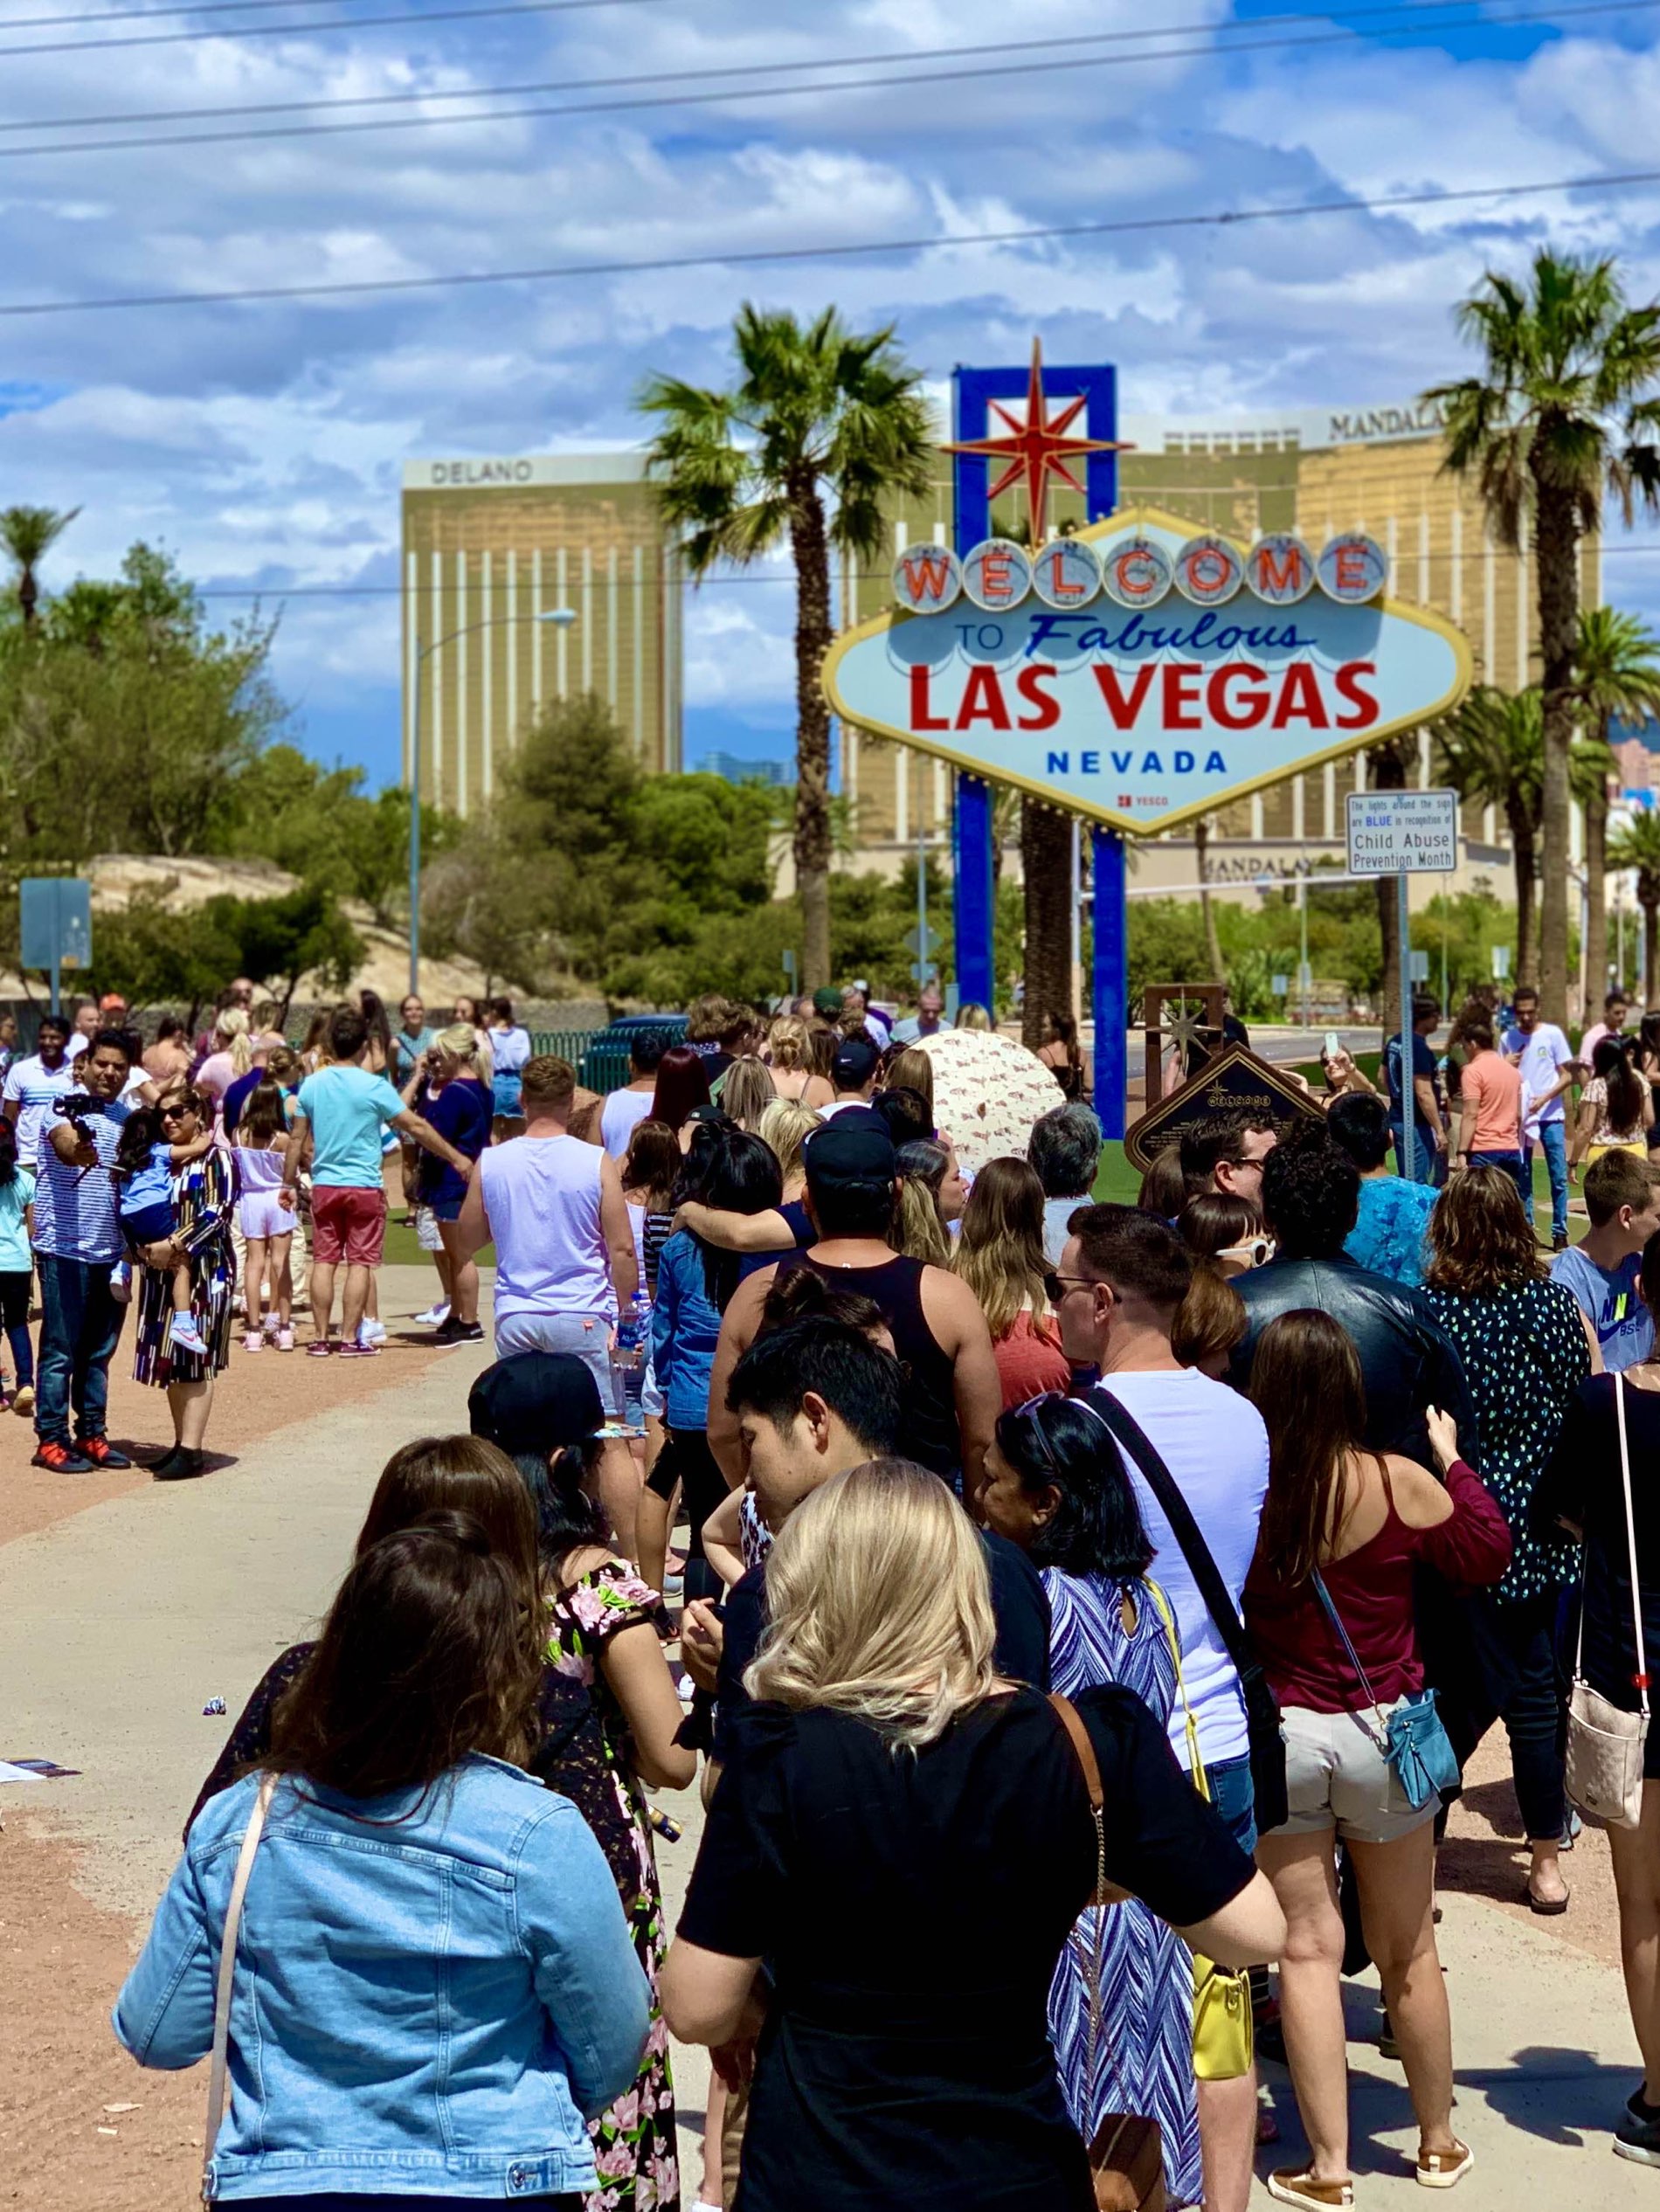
[78, 1245]
[1122, 1274]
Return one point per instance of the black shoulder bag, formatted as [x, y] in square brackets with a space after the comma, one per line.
[1261, 1708]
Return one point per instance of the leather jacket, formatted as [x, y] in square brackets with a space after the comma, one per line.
[1407, 1361]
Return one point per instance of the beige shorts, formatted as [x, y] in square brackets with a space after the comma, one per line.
[1337, 1777]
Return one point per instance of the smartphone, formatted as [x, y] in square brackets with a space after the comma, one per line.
[1334, 1044]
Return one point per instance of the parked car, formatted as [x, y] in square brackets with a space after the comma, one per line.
[605, 1064]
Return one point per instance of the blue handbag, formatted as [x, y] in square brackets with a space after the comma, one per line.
[1415, 1743]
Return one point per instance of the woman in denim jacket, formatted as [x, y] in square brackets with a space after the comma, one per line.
[434, 1982]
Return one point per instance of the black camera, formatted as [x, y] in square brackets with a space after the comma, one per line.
[73, 1111]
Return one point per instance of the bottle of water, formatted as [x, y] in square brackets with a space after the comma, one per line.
[629, 1357]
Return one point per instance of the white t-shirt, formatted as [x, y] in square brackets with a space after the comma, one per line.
[76, 1046]
[34, 1087]
[1215, 1446]
[619, 1116]
[1544, 1056]
[840, 1106]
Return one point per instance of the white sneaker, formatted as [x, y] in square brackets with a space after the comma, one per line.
[120, 1282]
[434, 1317]
[186, 1336]
[372, 1332]
[285, 1340]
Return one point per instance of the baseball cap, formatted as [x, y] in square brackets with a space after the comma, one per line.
[535, 1402]
[827, 1001]
[853, 1146]
[112, 1002]
[855, 1062]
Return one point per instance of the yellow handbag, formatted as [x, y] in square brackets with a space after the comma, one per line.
[1224, 2043]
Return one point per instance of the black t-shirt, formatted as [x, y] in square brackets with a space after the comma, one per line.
[1020, 1605]
[1582, 1484]
[911, 1906]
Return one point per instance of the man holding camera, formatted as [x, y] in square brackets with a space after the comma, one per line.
[78, 1246]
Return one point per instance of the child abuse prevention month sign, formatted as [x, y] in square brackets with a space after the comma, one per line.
[1145, 672]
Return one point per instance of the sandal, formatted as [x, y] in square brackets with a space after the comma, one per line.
[1444, 2169]
[1547, 1908]
[1297, 2185]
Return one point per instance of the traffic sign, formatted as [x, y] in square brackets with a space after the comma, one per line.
[55, 924]
[921, 939]
[1419, 967]
[1279, 985]
[1402, 832]
[921, 970]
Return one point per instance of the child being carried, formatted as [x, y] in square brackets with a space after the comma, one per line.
[145, 1161]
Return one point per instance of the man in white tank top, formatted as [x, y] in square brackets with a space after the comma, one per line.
[566, 1265]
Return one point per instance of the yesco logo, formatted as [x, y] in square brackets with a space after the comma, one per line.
[1135, 570]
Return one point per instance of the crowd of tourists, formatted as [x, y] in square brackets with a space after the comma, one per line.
[1072, 1611]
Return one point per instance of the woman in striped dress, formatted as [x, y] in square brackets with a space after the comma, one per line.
[1054, 1485]
[202, 1194]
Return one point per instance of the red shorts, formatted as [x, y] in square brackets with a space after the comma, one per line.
[347, 1225]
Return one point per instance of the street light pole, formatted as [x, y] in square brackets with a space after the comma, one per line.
[562, 618]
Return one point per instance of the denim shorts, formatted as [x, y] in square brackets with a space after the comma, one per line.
[1233, 1794]
[584, 1337]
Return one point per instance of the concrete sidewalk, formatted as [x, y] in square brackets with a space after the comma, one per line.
[118, 1624]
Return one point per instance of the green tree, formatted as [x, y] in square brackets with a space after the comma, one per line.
[1637, 846]
[819, 412]
[300, 933]
[1616, 668]
[27, 535]
[1557, 420]
[1490, 749]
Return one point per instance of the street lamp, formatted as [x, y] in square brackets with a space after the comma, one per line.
[561, 618]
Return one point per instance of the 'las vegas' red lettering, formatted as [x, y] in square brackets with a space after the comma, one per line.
[1246, 709]
[1181, 695]
[920, 716]
[1030, 684]
[1351, 687]
[1123, 710]
[983, 699]
[1300, 699]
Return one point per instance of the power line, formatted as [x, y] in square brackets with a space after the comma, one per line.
[1605, 552]
[765, 256]
[281, 30]
[1001, 69]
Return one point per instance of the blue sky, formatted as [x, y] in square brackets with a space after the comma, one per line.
[265, 443]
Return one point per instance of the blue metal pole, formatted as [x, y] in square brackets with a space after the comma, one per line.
[972, 897]
[1110, 988]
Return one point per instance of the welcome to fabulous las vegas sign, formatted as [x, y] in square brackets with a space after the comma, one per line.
[1145, 672]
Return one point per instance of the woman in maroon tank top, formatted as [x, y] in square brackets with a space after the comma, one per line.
[1358, 1521]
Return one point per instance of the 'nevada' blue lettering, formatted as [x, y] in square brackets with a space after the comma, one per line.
[1152, 765]
[1201, 636]
[1215, 764]
[1184, 763]
[1060, 764]
[1090, 764]
[1121, 761]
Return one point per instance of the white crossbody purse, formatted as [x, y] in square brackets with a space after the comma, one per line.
[227, 1973]
[1606, 1742]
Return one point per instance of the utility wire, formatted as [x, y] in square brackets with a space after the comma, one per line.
[499, 8]
[1389, 24]
[766, 256]
[1002, 70]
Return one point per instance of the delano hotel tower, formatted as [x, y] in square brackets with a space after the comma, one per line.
[493, 542]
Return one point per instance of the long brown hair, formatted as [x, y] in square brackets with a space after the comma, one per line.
[431, 1651]
[262, 1116]
[999, 1253]
[1479, 1238]
[652, 1163]
[911, 1068]
[458, 1474]
[1306, 1384]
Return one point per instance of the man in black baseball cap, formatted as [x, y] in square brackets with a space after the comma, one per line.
[952, 1396]
[853, 1073]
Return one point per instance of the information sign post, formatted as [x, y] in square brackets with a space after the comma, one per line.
[1402, 834]
[55, 925]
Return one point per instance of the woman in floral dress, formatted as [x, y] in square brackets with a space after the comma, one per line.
[610, 1712]
[204, 1193]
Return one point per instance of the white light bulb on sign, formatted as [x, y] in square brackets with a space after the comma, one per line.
[927, 578]
[1135, 571]
[1065, 573]
[996, 575]
[1280, 569]
[1209, 571]
[1353, 568]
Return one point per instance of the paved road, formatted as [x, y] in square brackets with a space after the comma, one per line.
[117, 1624]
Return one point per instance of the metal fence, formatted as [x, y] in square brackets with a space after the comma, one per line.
[603, 1070]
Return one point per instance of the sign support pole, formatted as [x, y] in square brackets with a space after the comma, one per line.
[972, 892]
[1109, 986]
[1409, 1091]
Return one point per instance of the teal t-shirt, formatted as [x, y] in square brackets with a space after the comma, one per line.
[347, 1108]
[16, 1258]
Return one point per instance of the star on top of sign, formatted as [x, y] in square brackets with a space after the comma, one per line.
[1038, 447]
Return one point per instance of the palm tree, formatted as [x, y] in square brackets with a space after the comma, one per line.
[1490, 749]
[1390, 769]
[1617, 668]
[817, 411]
[1637, 846]
[1556, 420]
[1206, 904]
[27, 535]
